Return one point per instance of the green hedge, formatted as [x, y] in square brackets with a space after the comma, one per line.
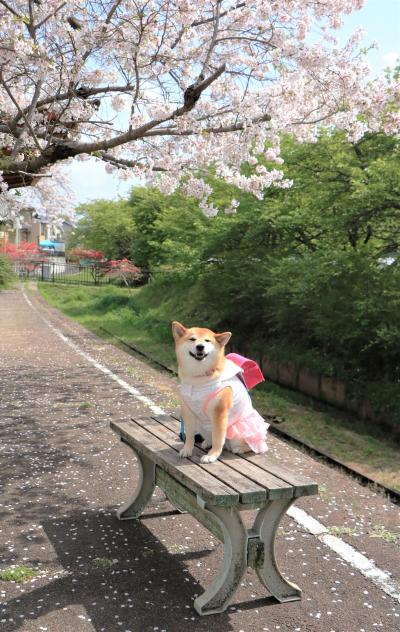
[6, 272]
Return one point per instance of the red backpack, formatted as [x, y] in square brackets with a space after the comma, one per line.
[252, 374]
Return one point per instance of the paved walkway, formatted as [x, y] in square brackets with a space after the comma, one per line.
[63, 473]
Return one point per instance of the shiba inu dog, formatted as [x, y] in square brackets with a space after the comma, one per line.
[214, 400]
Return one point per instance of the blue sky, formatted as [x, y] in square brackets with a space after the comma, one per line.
[381, 20]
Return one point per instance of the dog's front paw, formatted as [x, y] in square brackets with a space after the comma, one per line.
[185, 452]
[209, 458]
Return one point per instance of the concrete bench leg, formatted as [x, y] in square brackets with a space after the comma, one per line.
[266, 525]
[142, 494]
[217, 596]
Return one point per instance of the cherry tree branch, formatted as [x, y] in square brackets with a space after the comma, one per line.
[222, 129]
[239, 5]
[62, 151]
[82, 93]
[50, 15]
[213, 38]
[27, 118]
[124, 163]
[15, 102]
[11, 9]
[191, 96]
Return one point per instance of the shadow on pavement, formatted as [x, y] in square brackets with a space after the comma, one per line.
[120, 576]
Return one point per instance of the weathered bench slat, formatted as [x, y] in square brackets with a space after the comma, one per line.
[302, 485]
[275, 486]
[196, 479]
[248, 490]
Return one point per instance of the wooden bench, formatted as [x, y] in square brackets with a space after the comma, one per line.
[215, 494]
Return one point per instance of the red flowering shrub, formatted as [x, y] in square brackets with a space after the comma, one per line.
[23, 252]
[27, 255]
[124, 271]
[93, 257]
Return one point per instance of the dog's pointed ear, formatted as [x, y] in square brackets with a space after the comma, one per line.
[178, 330]
[224, 338]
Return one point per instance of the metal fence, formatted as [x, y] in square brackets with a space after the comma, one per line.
[61, 272]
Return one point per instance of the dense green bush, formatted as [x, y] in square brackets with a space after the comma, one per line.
[6, 272]
[310, 273]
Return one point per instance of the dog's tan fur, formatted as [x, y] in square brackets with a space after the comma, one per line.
[198, 374]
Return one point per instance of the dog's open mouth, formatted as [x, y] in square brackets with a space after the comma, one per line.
[199, 355]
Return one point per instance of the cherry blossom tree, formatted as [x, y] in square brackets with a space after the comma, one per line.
[51, 197]
[163, 89]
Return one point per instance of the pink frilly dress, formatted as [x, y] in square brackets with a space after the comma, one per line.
[244, 421]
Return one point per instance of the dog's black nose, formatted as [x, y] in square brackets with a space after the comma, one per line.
[199, 347]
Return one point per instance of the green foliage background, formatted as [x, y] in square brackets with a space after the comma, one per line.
[6, 272]
[310, 273]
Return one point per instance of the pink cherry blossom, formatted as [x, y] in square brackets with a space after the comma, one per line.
[160, 89]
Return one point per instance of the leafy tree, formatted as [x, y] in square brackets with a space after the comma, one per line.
[344, 193]
[311, 269]
[145, 207]
[106, 226]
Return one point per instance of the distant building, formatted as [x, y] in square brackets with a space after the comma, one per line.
[34, 228]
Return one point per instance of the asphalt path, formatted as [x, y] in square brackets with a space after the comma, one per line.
[63, 473]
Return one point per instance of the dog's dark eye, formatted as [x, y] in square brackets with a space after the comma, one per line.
[192, 339]
[207, 340]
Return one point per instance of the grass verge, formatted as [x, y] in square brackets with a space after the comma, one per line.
[142, 317]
